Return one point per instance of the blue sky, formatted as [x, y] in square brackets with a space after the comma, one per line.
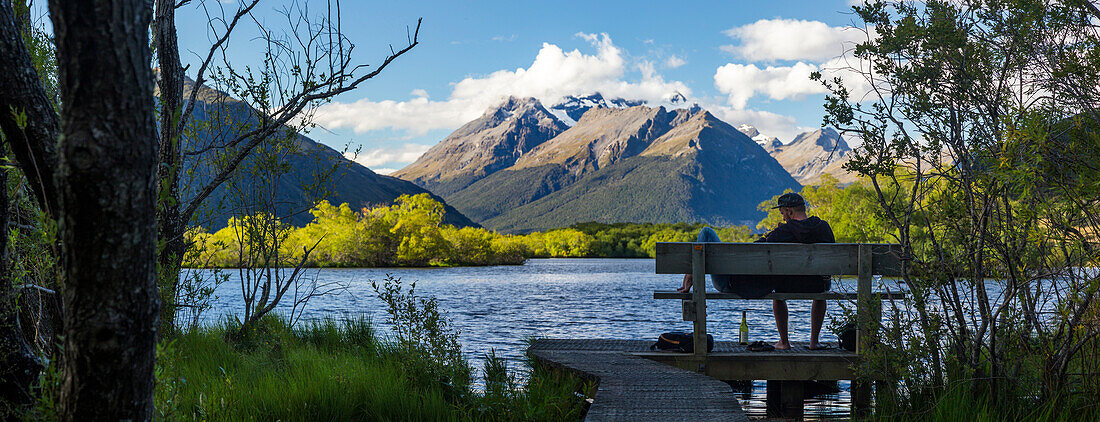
[744, 61]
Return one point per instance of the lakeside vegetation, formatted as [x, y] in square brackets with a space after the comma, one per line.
[410, 233]
[343, 370]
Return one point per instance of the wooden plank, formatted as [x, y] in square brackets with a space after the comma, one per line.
[729, 360]
[672, 294]
[863, 301]
[699, 297]
[630, 388]
[761, 366]
[778, 258]
[887, 259]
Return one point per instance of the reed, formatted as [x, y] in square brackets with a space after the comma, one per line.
[338, 370]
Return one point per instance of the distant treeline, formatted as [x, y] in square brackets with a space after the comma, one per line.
[410, 233]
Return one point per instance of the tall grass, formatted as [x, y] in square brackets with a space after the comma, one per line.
[963, 404]
[337, 370]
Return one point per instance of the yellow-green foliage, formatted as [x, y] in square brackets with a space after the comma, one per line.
[558, 243]
[853, 211]
[408, 233]
[411, 233]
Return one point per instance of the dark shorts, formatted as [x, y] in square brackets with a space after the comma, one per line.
[754, 286]
[804, 284]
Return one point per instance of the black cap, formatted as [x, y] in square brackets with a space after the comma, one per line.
[790, 199]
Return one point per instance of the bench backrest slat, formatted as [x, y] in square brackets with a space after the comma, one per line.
[779, 258]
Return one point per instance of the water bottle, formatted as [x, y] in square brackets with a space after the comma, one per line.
[744, 331]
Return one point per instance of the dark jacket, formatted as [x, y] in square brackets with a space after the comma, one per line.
[810, 230]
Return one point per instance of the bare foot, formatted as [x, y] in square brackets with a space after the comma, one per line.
[779, 345]
[686, 287]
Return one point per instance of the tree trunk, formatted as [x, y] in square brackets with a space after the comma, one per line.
[18, 365]
[33, 136]
[170, 229]
[106, 175]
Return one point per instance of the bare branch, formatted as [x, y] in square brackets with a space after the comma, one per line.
[199, 77]
[331, 87]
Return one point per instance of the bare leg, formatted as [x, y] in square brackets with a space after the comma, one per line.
[817, 318]
[779, 309]
[706, 234]
[686, 287]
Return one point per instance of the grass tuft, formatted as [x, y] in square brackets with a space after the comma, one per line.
[337, 370]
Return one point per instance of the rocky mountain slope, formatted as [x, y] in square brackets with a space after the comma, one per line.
[812, 154]
[479, 148]
[626, 164]
[809, 156]
[349, 181]
[769, 143]
[700, 169]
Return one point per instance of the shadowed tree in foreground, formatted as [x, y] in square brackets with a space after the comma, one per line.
[106, 157]
[97, 178]
[22, 99]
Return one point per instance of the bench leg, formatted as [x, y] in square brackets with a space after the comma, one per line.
[785, 399]
[861, 398]
[689, 310]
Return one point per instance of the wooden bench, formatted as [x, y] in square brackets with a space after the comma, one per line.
[861, 260]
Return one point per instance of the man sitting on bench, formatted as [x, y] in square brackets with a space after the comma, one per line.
[796, 228]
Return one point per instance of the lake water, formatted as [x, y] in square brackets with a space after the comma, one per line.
[500, 307]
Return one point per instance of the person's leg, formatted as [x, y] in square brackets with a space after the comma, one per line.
[721, 282]
[779, 309]
[817, 318]
[707, 234]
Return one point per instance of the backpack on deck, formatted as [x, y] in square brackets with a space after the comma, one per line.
[847, 336]
[680, 342]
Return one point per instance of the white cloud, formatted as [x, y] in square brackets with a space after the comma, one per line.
[416, 115]
[851, 70]
[674, 62]
[816, 47]
[379, 156]
[384, 170]
[770, 40]
[503, 38]
[554, 74]
[741, 82]
[420, 93]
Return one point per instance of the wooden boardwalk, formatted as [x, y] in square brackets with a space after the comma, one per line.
[633, 388]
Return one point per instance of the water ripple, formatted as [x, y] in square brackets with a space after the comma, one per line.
[500, 307]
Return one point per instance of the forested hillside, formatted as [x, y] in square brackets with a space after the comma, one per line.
[314, 170]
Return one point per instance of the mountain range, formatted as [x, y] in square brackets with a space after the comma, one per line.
[620, 163]
[809, 156]
[521, 166]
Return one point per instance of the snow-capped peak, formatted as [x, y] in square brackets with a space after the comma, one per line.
[571, 108]
[748, 130]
